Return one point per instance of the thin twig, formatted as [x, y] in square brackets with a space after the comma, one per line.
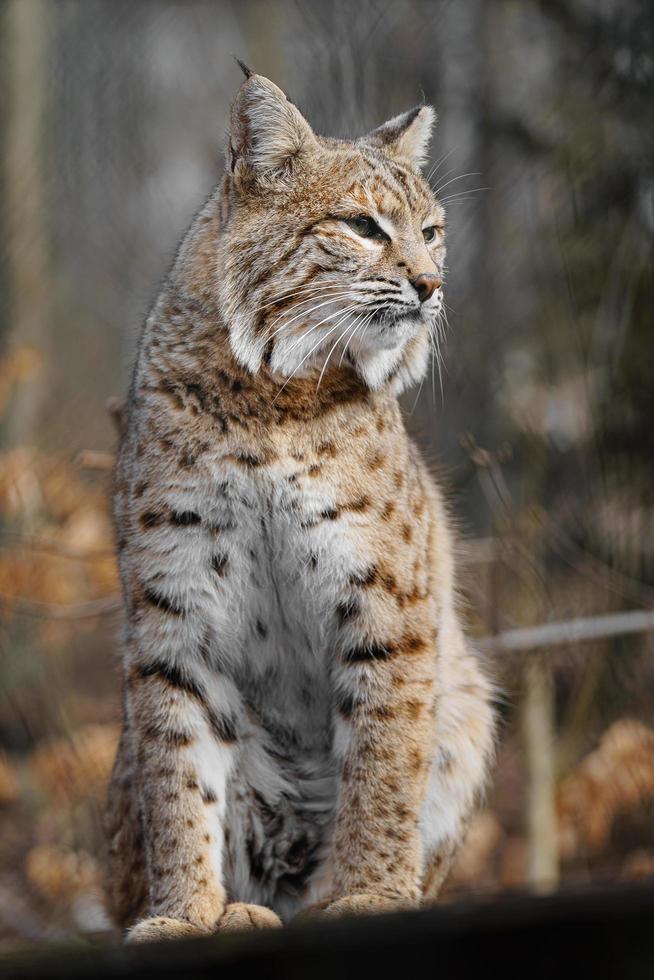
[43, 546]
[61, 611]
[91, 459]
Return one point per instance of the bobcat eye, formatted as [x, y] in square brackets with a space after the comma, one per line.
[366, 227]
[429, 234]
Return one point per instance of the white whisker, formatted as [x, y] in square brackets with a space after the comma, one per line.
[295, 370]
[471, 190]
[324, 367]
[303, 336]
[473, 173]
[439, 163]
[306, 313]
[422, 381]
[308, 290]
[362, 320]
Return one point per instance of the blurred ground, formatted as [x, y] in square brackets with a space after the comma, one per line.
[111, 123]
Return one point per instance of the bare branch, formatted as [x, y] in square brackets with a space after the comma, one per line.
[91, 459]
[569, 631]
[61, 611]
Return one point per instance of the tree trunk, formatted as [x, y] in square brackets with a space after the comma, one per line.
[28, 285]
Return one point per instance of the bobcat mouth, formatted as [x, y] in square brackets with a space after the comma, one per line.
[389, 317]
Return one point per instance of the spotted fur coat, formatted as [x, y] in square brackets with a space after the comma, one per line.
[304, 722]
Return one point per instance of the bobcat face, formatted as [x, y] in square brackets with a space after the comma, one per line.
[333, 252]
[392, 244]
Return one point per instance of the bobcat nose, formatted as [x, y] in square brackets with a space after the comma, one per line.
[425, 285]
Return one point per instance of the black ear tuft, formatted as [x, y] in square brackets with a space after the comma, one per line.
[268, 135]
[244, 68]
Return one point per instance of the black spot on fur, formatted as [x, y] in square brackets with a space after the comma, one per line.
[172, 675]
[298, 852]
[223, 727]
[194, 390]
[366, 578]
[208, 795]
[359, 504]
[187, 459]
[219, 563]
[185, 519]
[247, 459]
[268, 352]
[348, 610]
[255, 858]
[173, 737]
[162, 602]
[262, 629]
[371, 651]
[345, 704]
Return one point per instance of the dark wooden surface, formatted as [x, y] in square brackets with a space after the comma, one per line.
[603, 932]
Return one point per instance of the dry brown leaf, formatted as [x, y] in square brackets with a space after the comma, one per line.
[58, 874]
[72, 768]
[618, 776]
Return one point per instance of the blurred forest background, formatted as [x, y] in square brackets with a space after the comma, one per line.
[112, 117]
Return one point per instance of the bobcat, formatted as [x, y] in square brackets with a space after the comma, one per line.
[304, 724]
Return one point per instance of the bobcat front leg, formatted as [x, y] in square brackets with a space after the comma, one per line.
[183, 751]
[385, 718]
[184, 717]
[463, 746]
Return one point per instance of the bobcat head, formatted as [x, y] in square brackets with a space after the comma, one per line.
[328, 253]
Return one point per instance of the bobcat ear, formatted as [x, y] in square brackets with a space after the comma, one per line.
[407, 135]
[268, 134]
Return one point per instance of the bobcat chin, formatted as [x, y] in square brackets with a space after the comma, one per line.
[304, 722]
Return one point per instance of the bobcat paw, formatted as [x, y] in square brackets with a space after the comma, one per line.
[240, 917]
[160, 927]
[311, 911]
[367, 904]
